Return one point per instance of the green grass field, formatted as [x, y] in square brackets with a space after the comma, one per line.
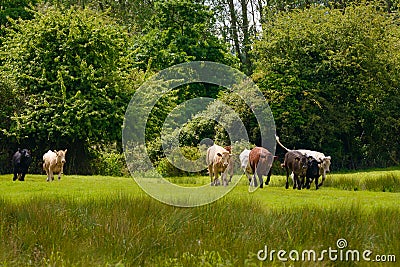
[109, 221]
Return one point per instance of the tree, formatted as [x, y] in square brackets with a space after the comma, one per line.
[180, 31]
[72, 70]
[328, 75]
[134, 14]
[238, 21]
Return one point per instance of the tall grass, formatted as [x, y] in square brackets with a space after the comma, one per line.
[379, 181]
[108, 221]
[376, 181]
[138, 231]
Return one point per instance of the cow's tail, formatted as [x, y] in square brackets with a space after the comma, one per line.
[277, 140]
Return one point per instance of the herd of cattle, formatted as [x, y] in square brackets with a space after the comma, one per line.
[304, 165]
[53, 162]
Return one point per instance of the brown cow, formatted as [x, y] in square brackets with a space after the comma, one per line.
[260, 160]
[53, 162]
[295, 162]
[217, 160]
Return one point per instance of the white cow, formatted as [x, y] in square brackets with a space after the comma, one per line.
[53, 162]
[245, 164]
[320, 157]
[217, 159]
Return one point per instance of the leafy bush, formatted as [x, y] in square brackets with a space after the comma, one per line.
[110, 164]
[194, 154]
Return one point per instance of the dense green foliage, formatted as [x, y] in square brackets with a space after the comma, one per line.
[329, 70]
[332, 81]
[179, 31]
[14, 9]
[73, 76]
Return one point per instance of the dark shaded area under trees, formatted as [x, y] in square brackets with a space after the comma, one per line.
[329, 70]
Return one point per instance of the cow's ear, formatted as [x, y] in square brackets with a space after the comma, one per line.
[219, 154]
[55, 151]
[328, 157]
[65, 150]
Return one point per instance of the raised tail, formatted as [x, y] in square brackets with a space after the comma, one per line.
[277, 140]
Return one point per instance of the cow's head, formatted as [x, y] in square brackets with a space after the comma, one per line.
[302, 163]
[325, 163]
[61, 155]
[313, 167]
[25, 155]
[224, 158]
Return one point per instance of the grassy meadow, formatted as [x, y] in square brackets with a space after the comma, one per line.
[110, 221]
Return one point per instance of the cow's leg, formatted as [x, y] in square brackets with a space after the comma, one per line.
[323, 178]
[287, 178]
[254, 180]
[51, 175]
[216, 181]
[268, 177]
[301, 181]
[248, 176]
[260, 178]
[223, 178]
[308, 182]
[47, 176]
[61, 172]
[295, 180]
[15, 174]
[22, 177]
[210, 172]
[316, 184]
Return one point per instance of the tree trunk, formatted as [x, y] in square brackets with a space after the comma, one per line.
[234, 29]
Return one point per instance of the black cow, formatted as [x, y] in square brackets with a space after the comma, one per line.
[21, 161]
[312, 172]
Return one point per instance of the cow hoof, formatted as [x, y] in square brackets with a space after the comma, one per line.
[287, 186]
[261, 186]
